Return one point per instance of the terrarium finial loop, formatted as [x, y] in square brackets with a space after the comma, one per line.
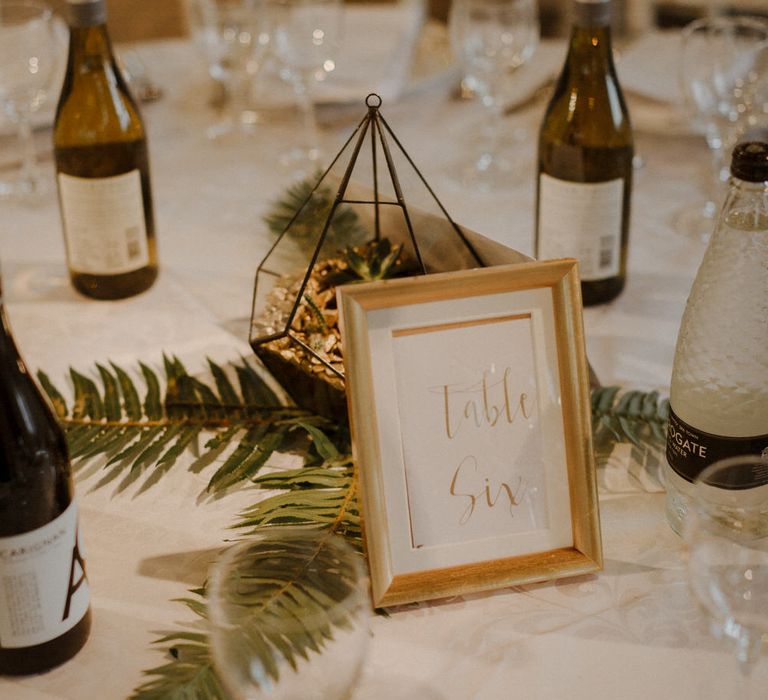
[373, 101]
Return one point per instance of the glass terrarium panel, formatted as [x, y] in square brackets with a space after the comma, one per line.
[270, 314]
[370, 216]
[440, 241]
[370, 176]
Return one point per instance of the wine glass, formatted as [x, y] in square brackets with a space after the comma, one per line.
[235, 37]
[719, 71]
[492, 38]
[288, 616]
[28, 53]
[306, 36]
[727, 536]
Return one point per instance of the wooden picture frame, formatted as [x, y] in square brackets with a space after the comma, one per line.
[468, 397]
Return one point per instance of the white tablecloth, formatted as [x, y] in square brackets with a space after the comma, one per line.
[629, 632]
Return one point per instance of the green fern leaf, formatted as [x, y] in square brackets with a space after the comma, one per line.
[302, 212]
[635, 417]
[57, 400]
[84, 439]
[88, 403]
[189, 675]
[254, 389]
[152, 406]
[227, 393]
[130, 395]
[325, 448]
[112, 409]
[249, 456]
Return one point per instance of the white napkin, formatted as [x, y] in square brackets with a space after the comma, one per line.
[376, 52]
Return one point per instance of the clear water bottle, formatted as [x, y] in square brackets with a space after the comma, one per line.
[719, 390]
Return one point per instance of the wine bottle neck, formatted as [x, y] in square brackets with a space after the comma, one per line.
[91, 40]
[591, 13]
[591, 44]
[87, 13]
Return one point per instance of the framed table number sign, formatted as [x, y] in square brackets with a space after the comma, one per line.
[469, 406]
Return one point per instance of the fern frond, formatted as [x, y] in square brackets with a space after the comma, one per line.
[144, 439]
[188, 675]
[303, 212]
[638, 418]
[320, 496]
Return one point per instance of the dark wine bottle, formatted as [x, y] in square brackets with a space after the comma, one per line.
[585, 161]
[44, 597]
[102, 166]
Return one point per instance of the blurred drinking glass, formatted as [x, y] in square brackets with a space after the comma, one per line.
[727, 537]
[722, 64]
[235, 38]
[289, 616]
[491, 39]
[28, 55]
[305, 35]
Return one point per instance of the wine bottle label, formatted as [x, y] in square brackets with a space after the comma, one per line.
[104, 224]
[581, 220]
[690, 451]
[43, 586]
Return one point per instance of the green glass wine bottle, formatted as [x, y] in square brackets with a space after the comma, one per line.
[102, 166]
[585, 153]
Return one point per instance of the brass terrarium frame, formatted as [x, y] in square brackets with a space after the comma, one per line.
[382, 191]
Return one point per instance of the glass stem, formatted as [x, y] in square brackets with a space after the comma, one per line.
[28, 176]
[748, 647]
[716, 181]
[306, 104]
[490, 139]
[239, 98]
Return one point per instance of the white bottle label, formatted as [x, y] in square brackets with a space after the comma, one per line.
[43, 587]
[104, 223]
[582, 220]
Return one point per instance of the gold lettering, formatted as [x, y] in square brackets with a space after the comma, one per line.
[467, 514]
[503, 492]
[485, 409]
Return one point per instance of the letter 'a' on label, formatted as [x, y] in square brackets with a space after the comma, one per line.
[581, 220]
[104, 224]
[43, 587]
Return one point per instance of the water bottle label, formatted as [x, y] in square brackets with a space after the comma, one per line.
[104, 223]
[690, 451]
[43, 586]
[582, 220]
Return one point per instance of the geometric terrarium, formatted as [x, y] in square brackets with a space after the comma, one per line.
[370, 215]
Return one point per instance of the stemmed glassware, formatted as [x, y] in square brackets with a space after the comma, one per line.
[727, 537]
[28, 54]
[235, 37]
[305, 37]
[492, 38]
[288, 616]
[722, 62]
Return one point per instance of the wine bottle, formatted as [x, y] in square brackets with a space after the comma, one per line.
[44, 597]
[719, 388]
[585, 151]
[102, 166]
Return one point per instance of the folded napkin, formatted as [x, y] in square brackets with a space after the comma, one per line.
[376, 51]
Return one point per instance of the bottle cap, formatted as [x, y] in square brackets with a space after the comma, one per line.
[86, 13]
[592, 13]
[750, 161]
